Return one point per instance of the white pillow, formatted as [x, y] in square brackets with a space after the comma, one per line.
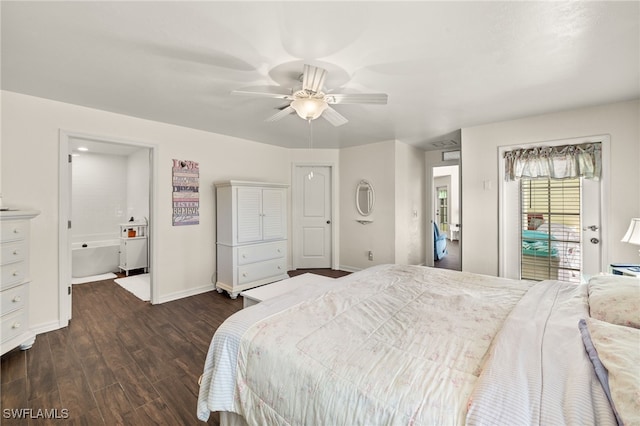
[618, 349]
[615, 299]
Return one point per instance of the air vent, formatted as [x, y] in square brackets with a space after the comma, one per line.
[444, 144]
[450, 155]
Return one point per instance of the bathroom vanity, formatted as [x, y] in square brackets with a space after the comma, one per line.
[133, 247]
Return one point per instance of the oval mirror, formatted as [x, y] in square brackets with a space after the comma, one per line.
[365, 198]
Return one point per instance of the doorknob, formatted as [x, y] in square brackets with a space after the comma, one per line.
[328, 222]
[594, 241]
[590, 227]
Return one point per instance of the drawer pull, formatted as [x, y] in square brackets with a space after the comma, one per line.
[279, 267]
[16, 299]
[244, 274]
[244, 256]
[16, 252]
[15, 273]
[16, 325]
[16, 230]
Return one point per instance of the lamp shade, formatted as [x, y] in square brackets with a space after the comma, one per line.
[309, 108]
[633, 233]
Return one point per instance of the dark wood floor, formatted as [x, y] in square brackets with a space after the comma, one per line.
[120, 361]
[326, 272]
[452, 260]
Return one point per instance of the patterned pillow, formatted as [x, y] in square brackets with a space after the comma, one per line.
[615, 299]
[618, 348]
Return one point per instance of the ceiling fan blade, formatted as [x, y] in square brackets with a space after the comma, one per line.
[313, 78]
[280, 114]
[357, 98]
[334, 117]
[264, 91]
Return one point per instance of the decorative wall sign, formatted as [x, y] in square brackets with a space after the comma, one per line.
[186, 195]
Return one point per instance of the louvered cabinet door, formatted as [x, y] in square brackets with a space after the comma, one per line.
[249, 220]
[274, 215]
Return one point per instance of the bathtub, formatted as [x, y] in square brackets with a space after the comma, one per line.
[94, 258]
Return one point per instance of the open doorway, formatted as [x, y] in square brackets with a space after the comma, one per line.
[106, 189]
[445, 217]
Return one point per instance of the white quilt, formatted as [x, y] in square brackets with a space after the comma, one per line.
[538, 371]
[389, 345]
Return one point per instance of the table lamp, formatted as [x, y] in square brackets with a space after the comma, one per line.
[633, 237]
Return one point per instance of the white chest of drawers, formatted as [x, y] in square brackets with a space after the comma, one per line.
[14, 280]
[251, 235]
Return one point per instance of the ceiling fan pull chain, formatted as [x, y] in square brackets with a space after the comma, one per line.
[310, 175]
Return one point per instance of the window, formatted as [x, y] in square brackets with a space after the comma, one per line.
[443, 208]
[550, 226]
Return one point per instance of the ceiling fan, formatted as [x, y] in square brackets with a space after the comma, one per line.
[310, 101]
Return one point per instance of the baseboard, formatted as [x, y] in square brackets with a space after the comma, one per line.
[46, 327]
[349, 268]
[354, 269]
[186, 293]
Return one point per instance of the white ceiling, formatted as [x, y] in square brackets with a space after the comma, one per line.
[444, 65]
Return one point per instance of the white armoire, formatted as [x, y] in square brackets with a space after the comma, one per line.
[251, 235]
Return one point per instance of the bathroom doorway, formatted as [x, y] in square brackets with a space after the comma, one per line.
[106, 223]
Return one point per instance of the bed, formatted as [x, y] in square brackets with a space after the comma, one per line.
[397, 344]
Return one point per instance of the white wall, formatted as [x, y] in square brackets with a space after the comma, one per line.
[480, 173]
[410, 203]
[316, 156]
[107, 190]
[138, 185]
[185, 254]
[99, 191]
[374, 163]
[396, 235]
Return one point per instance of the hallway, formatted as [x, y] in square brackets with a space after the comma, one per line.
[452, 260]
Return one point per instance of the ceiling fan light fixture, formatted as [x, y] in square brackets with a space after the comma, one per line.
[309, 108]
[310, 102]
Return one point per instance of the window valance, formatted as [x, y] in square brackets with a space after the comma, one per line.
[558, 162]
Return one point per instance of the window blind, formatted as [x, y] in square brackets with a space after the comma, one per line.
[550, 229]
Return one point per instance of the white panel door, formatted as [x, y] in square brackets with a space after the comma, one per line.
[313, 210]
[591, 224]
